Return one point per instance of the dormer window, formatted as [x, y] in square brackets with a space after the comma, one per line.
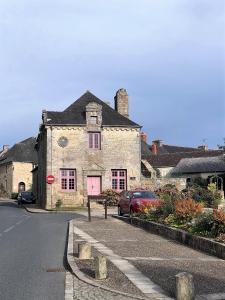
[94, 117]
[93, 120]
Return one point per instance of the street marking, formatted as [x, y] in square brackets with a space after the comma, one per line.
[219, 296]
[69, 286]
[18, 223]
[142, 282]
[209, 259]
[8, 229]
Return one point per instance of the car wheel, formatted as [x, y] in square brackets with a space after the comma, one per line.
[119, 211]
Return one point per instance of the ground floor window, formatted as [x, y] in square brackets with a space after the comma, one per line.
[68, 179]
[119, 180]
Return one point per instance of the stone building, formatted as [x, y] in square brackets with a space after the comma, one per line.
[87, 148]
[16, 165]
[164, 158]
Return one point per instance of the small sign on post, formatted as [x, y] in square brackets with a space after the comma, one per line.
[50, 179]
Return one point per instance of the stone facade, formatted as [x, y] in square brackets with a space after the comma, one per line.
[16, 164]
[14, 173]
[119, 150]
[155, 183]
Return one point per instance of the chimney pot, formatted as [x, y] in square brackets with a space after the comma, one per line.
[158, 143]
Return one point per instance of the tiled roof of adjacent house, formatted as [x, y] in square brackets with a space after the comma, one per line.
[75, 114]
[172, 159]
[21, 152]
[167, 149]
[200, 165]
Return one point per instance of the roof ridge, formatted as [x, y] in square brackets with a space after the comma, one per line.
[21, 142]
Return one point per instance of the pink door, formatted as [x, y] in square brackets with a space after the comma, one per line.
[93, 185]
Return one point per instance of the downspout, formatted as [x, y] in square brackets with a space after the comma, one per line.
[51, 165]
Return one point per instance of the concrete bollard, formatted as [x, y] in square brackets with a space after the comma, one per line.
[100, 267]
[184, 286]
[84, 251]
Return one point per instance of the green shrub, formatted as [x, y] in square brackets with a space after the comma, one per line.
[58, 204]
[111, 196]
[211, 198]
[14, 195]
[203, 224]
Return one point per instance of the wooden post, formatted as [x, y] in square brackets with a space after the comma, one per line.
[89, 209]
[106, 208]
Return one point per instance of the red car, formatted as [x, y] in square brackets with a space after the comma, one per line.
[131, 201]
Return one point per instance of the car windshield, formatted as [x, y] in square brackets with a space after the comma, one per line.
[27, 194]
[144, 194]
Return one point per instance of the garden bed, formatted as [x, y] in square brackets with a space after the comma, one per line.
[196, 242]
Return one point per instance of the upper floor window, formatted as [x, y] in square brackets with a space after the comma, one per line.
[68, 179]
[94, 140]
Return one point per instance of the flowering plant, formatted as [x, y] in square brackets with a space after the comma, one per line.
[186, 210]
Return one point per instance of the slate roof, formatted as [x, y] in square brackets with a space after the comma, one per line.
[75, 114]
[172, 159]
[167, 149]
[21, 152]
[200, 165]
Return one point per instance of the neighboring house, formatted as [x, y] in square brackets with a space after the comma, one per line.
[203, 167]
[16, 165]
[165, 158]
[210, 168]
[89, 147]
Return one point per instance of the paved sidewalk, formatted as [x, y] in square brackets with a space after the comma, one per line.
[154, 259]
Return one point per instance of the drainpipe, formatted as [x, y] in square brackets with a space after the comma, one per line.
[51, 164]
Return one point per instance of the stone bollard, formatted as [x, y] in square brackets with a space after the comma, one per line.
[100, 267]
[84, 251]
[184, 286]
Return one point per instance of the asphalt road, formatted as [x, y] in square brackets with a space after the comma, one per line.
[32, 248]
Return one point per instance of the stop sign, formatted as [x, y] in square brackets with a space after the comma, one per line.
[50, 179]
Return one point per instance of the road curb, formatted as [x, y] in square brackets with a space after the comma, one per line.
[46, 211]
[80, 275]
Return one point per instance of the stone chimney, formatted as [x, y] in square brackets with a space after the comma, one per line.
[144, 137]
[154, 149]
[121, 102]
[44, 116]
[5, 147]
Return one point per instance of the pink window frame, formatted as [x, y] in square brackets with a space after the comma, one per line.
[117, 178]
[92, 140]
[68, 177]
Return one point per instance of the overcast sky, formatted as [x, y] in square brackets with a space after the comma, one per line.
[168, 54]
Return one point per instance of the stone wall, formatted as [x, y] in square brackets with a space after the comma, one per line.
[120, 149]
[11, 174]
[22, 173]
[156, 183]
[6, 171]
